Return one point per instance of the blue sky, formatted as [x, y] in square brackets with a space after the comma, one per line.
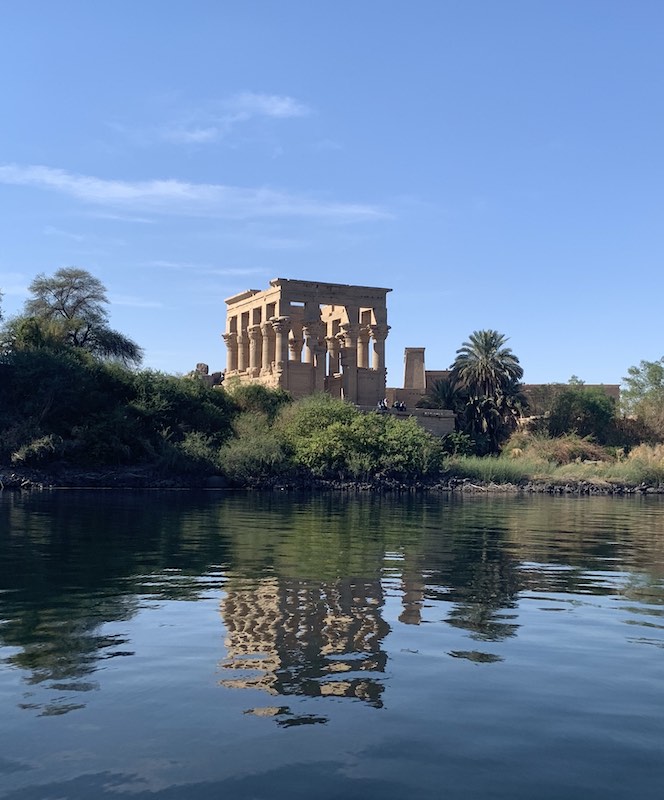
[497, 164]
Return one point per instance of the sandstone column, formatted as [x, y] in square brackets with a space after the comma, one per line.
[242, 341]
[314, 353]
[320, 352]
[295, 348]
[268, 351]
[254, 333]
[231, 351]
[379, 334]
[281, 327]
[312, 331]
[333, 346]
[348, 338]
[363, 347]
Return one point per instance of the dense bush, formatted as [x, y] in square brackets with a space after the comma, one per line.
[331, 439]
[64, 405]
[259, 399]
[584, 412]
[255, 452]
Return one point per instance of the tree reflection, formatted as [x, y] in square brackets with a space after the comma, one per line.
[305, 579]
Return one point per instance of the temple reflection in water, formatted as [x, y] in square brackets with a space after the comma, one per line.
[290, 637]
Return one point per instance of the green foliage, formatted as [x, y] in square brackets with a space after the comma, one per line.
[485, 366]
[445, 393]
[409, 450]
[258, 399]
[64, 405]
[256, 452]
[315, 412]
[458, 443]
[193, 453]
[643, 397]
[178, 405]
[484, 390]
[583, 411]
[332, 439]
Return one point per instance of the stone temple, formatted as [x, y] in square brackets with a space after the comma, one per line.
[305, 337]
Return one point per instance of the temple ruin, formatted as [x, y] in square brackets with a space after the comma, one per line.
[306, 337]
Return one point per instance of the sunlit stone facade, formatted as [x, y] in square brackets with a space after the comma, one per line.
[305, 337]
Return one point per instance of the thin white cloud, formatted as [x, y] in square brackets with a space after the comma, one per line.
[134, 302]
[201, 269]
[205, 127]
[281, 243]
[175, 197]
[51, 230]
[268, 105]
[192, 135]
[326, 145]
[121, 217]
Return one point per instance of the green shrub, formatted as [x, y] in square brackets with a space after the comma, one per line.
[332, 439]
[583, 411]
[258, 399]
[458, 444]
[256, 451]
[409, 451]
[180, 405]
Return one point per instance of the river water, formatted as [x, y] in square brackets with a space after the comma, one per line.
[171, 645]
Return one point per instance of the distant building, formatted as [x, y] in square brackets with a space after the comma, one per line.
[419, 381]
[307, 337]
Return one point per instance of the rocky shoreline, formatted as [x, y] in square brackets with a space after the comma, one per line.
[148, 478]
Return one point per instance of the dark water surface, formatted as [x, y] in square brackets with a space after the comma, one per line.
[170, 645]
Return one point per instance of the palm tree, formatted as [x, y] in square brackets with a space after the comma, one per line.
[485, 366]
[444, 393]
[489, 374]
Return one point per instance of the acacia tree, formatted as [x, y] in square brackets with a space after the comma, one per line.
[489, 374]
[70, 306]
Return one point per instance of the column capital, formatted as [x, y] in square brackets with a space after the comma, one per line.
[229, 338]
[281, 324]
[379, 332]
[348, 333]
[313, 328]
[254, 332]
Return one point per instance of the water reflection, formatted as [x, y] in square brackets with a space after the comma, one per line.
[305, 582]
[298, 638]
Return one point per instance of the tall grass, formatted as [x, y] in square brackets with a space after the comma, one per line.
[491, 469]
[644, 465]
[560, 449]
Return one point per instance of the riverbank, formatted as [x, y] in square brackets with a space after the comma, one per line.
[147, 478]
